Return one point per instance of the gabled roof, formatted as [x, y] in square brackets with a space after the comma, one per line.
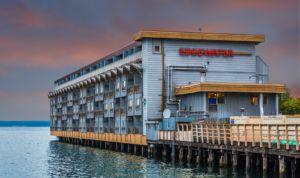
[200, 36]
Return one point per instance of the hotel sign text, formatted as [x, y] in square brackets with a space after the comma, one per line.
[205, 52]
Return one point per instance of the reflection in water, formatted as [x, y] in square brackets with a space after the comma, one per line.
[32, 152]
[72, 160]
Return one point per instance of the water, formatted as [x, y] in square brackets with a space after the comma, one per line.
[32, 152]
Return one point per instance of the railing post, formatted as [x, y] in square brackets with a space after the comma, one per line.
[213, 134]
[238, 135]
[252, 130]
[287, 137]
[202, 134]
[230, 131]
[260, 136]
[297, 137]
[245, 135]
[224, 134]
[269, 136]
[197, 133]
[207, 135]
[219, 135]
[277, 137]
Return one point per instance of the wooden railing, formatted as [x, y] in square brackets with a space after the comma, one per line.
[281, 136]
[136, 139]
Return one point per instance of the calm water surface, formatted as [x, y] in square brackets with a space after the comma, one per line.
[32, 152]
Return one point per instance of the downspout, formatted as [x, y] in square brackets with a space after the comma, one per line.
[261, 98]
[163, 100]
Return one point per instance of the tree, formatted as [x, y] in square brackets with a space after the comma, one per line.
[288, 105]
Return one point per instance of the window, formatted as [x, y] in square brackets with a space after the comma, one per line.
[106, 107]
[97, 89]
[118, 85]
[92, 106]
[213, 100]
[111, 107]
[101, 89]
[216, 98]
[130, 104]
[137, 103]
[124, 85]
[254, 100]
[265, 101]
[220, 98]
[156, 47]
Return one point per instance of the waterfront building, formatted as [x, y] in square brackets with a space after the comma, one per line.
[187, 95]
[189, 75]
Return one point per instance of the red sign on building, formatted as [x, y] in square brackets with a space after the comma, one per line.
[205, 52]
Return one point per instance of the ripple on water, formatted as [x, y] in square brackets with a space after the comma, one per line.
[32, 152]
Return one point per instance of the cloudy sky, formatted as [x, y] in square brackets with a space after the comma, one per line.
[42, 40]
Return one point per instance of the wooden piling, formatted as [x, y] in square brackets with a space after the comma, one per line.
[294, 168]
[210, 158]
[248, 160]
[198, 159]
[128, 148]
[135, 149]
[164, 152]
[265, 162]
[234, 159]
[282, 165]
[180, 156]
[189, 155]
[142, 151]
[223, 162]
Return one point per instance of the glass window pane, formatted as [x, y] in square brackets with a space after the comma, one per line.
[254, 100]
[221, 99]
[212, 101]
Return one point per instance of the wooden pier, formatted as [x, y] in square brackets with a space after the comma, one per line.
[268, 144]
[252, 140]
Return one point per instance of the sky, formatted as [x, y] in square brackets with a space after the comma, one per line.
[43, 40]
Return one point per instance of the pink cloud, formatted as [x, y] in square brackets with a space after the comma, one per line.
[54, 53]
[22, 15]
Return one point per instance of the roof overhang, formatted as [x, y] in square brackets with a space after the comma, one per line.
[199, 36]
[230, 87]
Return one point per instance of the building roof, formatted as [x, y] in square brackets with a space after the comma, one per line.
[230, 87]
[199, 36]
[110, 55]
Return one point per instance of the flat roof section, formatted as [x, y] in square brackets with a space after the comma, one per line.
[200, 36]
[230, 87]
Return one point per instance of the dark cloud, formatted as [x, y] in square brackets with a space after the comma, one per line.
[41, 40]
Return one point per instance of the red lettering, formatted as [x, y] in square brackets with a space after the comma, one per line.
[187, 51]
[214, 52]
[193, 52]
[181, 52]
[220, 52]
[200, 52]
[230, 53]
[205, 52]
